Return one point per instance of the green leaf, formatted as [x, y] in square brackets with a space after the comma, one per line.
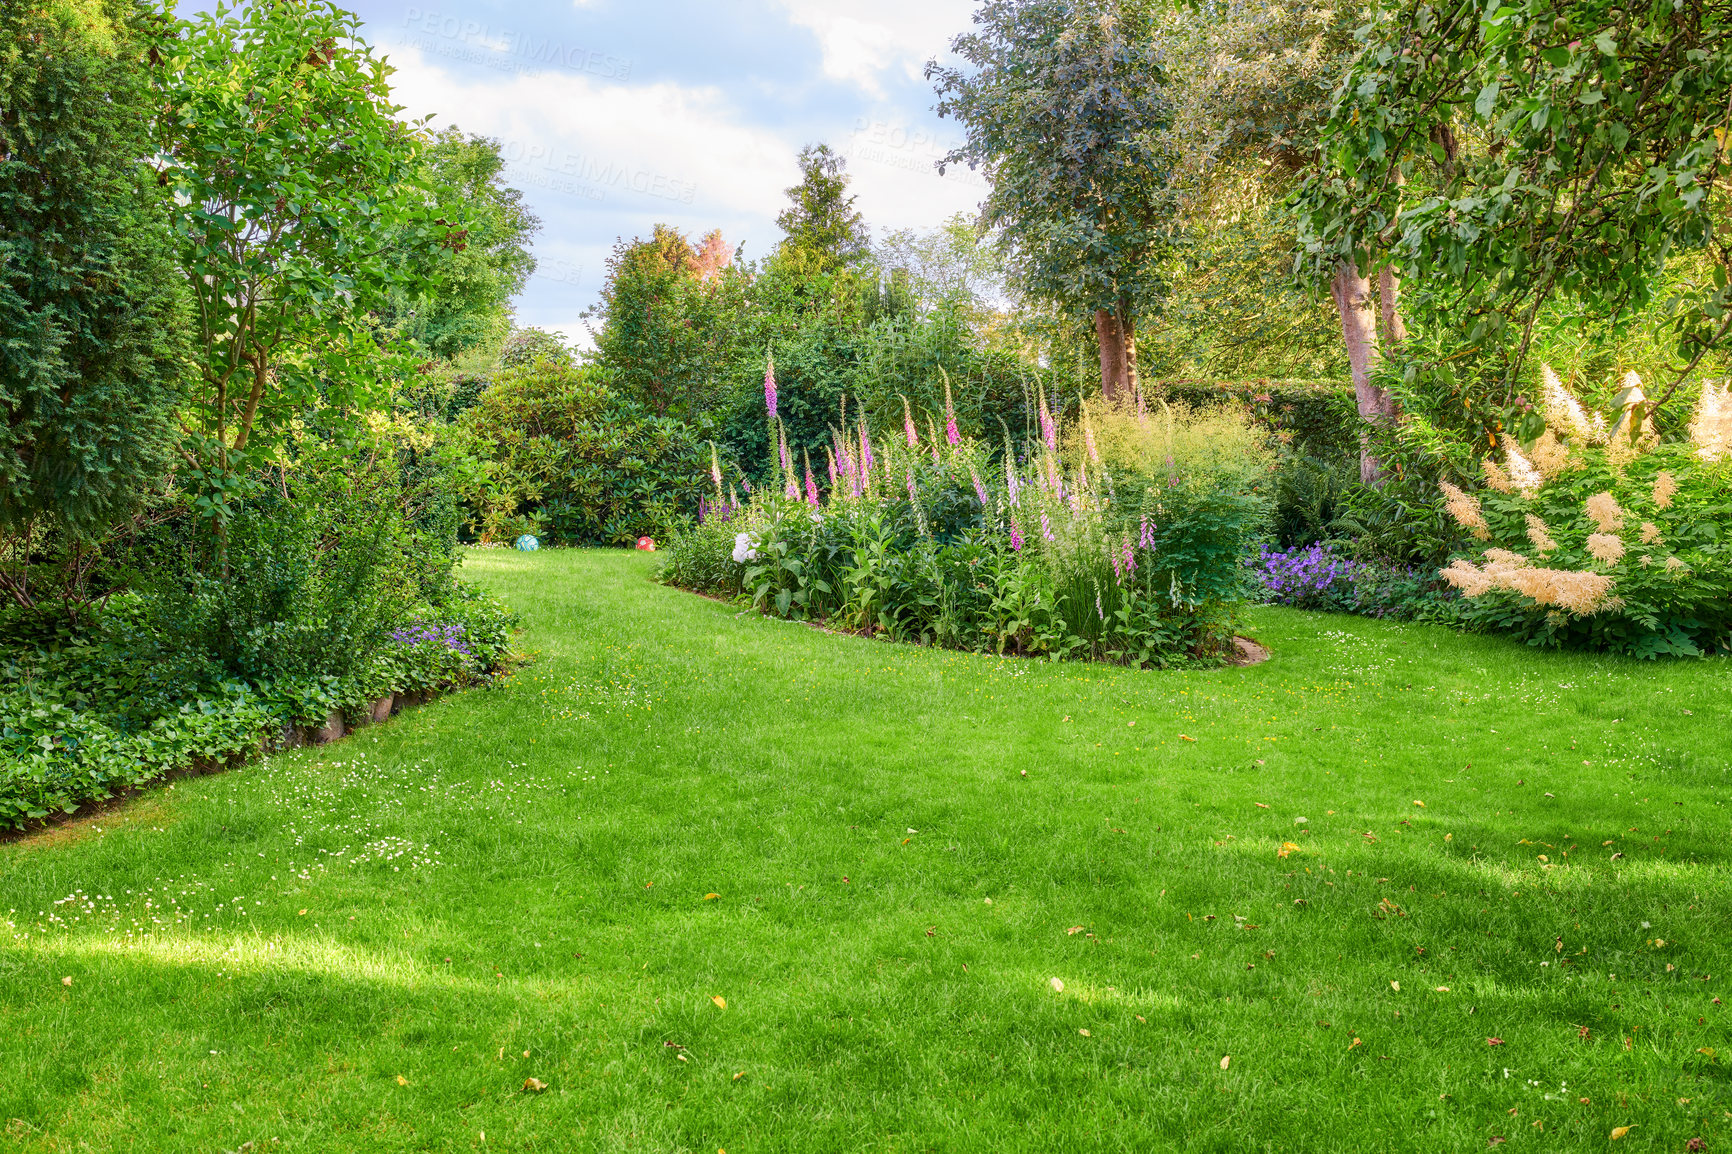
[1486, 100]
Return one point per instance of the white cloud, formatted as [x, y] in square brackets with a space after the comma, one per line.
[863, 39]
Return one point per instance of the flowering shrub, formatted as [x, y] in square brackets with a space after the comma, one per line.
[1597, 535]
[1318, 577]
[1118, 540]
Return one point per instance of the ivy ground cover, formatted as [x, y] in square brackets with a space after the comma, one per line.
[699, 880]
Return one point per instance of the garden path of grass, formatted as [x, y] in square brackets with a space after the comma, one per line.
[372, 945]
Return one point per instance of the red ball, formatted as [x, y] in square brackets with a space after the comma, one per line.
[646, 544]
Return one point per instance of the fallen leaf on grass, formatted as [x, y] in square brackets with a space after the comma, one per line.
[1494, 1041]
[1226, 1059]
[1074, 930]
[1396, 986]
[740, 1075]
[721, 1002]
[1057, 986]
[1084, 1033]
[402, 1081]
[1182, 737]
[1354, 1042]
[1287, 847]
[711, 897]
[1620, 1131]
[1420, 804]
[1259, 805]
[66, 981]
[534, 1085]
[1494, 1140]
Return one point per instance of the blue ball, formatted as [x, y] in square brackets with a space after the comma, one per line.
[528, 544]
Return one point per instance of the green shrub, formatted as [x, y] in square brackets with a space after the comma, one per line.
[562, 448]
[1587, 540]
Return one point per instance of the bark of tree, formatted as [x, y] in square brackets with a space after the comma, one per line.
[1117, 337]
[1352, 293]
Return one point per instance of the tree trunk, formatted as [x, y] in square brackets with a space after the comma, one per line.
[1115, 372]
[1128, 324]
[1352, 293]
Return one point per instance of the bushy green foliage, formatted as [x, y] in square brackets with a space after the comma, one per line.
[562, 453]
[93, 332]
[1628, 556]
[458, 296]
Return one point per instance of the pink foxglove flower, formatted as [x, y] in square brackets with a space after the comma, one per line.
[1147, 539]
[715, 468]
[770, 386]
[908, 424]
[787, 464]
[866, 458]
[913, 498]
[1046, 528]
[979, 489]
[1015, 536]
[1048, 430]
[811, 486]
[950, 433]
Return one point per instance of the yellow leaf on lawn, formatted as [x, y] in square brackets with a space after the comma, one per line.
[721, 1002]
[534, 1085]
[1287, 847]
[402, 1081]
[740, 1075]
[1226, 1059]
[711, 897]
[1085, 1033]
[1396, 986]
[1620, 1131]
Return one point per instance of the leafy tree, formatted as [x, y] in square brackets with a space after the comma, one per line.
[295, 186]
[1504, 156]
[92, 320]
[820, 220]
[671, 322]
[1064, 104]
[459, 298]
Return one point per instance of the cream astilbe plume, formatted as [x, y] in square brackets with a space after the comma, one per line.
[1665, 488]
[1583, 594]
[1711, 427]
[1469, 578]
[1603, 508]
[1521, 474]
[1540, 535]
[1550, 456]
[1565, 414]
[1606, 548]
[1651, 533]
[1496, 477]
[1575, 592]
[1465, 509]
[1674, 564]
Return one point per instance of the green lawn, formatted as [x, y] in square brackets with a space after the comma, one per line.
[371, 946]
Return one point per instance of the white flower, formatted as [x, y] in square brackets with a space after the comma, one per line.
[743, 550]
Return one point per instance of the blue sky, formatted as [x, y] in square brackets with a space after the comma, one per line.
[615, 115]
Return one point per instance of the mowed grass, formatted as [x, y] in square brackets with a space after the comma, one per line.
[725, 883]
